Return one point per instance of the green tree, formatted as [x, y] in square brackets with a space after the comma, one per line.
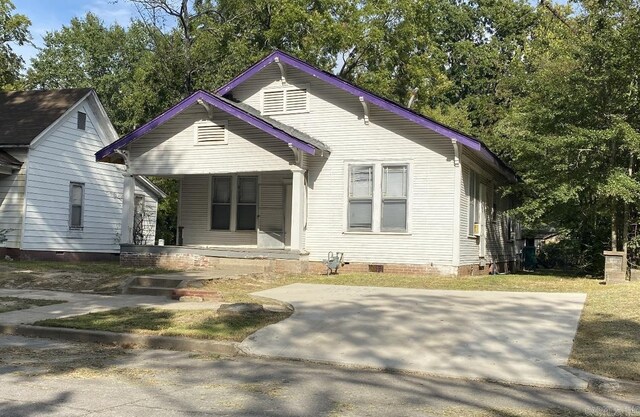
[573, 135]
[14, 28]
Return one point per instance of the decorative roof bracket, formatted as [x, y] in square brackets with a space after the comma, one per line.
[207, 107]
[283, 70]
[365, 107]
[456, 153]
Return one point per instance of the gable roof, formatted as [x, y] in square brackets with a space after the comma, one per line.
[386, 104]
[26, 114]
[245, 113]
[150, 187]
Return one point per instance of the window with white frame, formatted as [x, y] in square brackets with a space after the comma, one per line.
[221, 203]
[285, 100]
[378, 198]
[82, 120]
[360, 197]
[76, 206]
[394, 198]
[473, 193]
[247, 205]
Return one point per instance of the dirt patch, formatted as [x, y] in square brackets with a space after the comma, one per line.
[16, 303]
[61, 281]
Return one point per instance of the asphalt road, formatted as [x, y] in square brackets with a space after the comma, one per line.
[39, 377]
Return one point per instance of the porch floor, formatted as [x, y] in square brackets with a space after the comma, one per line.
[216, 251]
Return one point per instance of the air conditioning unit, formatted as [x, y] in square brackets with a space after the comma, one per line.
[477, 229]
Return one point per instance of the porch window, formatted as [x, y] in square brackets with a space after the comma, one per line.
[394, 198]
[221, 203]
[247, 203]
[76, 205]
[360, 197]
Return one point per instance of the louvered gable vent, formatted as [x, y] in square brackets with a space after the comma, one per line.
[207, 132]
[288, 100]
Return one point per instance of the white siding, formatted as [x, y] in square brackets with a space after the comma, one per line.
[66, 155]
[194, 213]
[12, 200]
[336, 118]
[170, 149]
[499, 248]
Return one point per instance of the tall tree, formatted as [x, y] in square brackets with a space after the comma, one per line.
[574, 135]
[14, 28]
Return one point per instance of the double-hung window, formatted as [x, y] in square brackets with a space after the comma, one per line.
[247, 203]
[360, 197]
[473, 192]
[221, 203]
[76, 206]
[234, 209]
[394, 198]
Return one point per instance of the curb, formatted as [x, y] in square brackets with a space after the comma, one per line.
[124, 339]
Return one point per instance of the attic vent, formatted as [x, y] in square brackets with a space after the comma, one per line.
[209, 133]
[287, 100]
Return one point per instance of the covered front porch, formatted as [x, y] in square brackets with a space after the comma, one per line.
[250, 215]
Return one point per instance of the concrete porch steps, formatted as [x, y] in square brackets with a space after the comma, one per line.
[159, 285]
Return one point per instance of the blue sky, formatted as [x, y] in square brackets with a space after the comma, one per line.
[49, 15]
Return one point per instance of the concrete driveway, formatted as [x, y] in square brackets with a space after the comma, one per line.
[510, 337]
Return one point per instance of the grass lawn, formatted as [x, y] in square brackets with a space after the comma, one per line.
[17, 303]
[608, 339]
[199, 324]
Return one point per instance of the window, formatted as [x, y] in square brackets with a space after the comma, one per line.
[247, 203]
[285, 100]
[360, 197]
[394, 198]
[76, 205]
[473, 192]
[207, 132]
[138, 220]
[221, 203]
[82, 120]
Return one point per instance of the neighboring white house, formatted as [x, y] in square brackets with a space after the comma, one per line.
[56, 201]
[290, 162]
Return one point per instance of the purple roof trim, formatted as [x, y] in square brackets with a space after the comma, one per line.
[381, 102]
[216, 102]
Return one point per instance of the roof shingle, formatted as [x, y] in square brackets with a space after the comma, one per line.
[25, 114]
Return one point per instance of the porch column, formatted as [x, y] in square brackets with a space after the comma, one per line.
[128, 201]
[298, 195]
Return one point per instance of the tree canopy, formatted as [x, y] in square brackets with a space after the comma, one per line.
[14, 29]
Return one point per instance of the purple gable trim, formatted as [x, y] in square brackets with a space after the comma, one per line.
[370, 97]
[216, 102]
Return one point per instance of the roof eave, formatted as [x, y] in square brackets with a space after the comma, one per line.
[211, 99]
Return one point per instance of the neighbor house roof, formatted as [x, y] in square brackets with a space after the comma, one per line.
[151, 187]
[8, 160]
[386, 104]
[245, 113]
[26, 114]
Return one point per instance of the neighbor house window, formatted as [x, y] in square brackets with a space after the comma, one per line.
[473, 193]
[76, 205]
[360, 197]
[394, 198]
[82, 120]
[285, 100]
[247, 203]
[221, 203]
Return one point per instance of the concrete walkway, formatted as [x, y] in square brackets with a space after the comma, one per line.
[78, 303]
[501, 336]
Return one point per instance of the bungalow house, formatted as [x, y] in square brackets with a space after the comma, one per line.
[287, 163]
[56, 201]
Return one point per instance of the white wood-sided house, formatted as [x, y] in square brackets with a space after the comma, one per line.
[290, 162]
[56, 201]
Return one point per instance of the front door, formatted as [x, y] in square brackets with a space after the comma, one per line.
[271, 224]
